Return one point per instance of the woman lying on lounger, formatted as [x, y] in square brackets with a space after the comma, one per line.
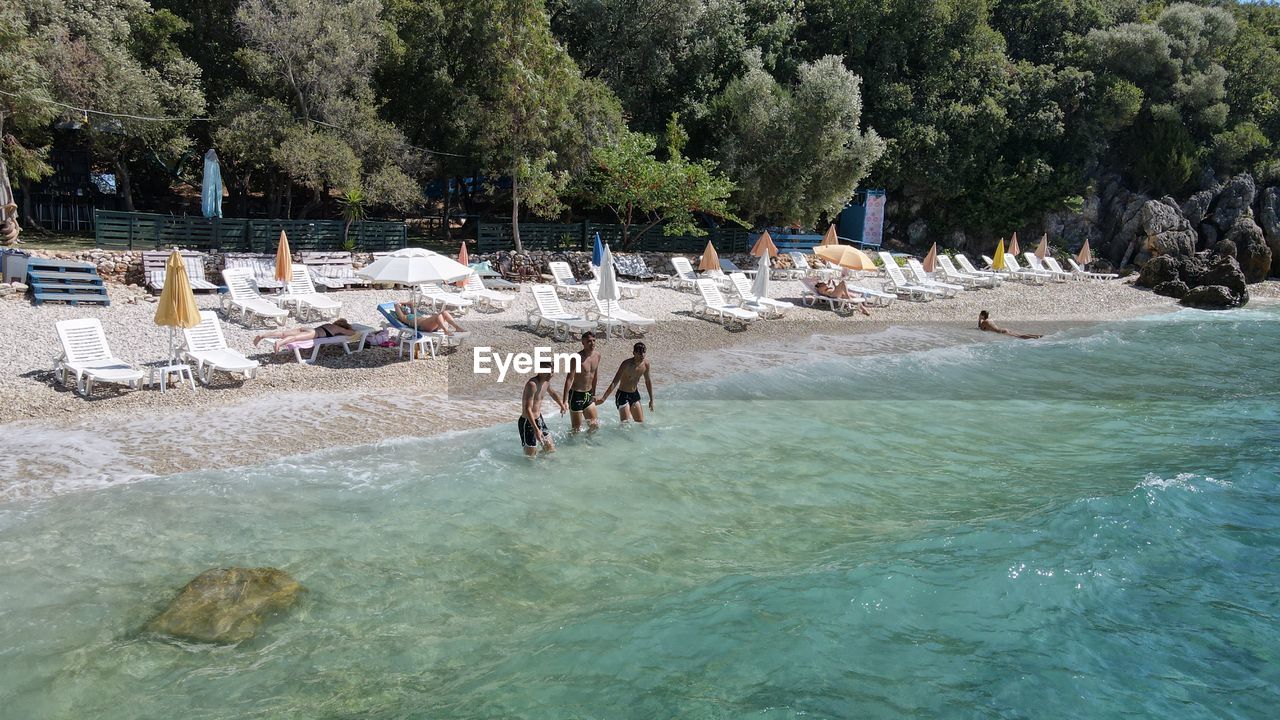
[298, 334]
[839, 291]
[432, 322]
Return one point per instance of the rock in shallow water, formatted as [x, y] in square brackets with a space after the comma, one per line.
[226, 605]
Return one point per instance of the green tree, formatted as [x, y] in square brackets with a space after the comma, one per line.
[25, 108]
[796, 152]
[638, 188]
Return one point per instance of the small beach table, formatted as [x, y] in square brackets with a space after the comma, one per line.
[350, 344]
[160, 370]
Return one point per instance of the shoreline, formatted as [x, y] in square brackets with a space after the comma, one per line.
[94, 448]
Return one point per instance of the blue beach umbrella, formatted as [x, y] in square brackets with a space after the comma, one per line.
[597, 253]
[211, 188]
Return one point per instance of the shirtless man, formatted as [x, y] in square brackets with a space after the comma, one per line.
[984, 323]
[533, 429]
[580, 385]
[627, 380]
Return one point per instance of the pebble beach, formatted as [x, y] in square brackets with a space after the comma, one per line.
[376, 396]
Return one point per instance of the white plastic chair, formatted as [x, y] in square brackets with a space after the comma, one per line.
[242, 296]
[206, 347]
[475, 291]
[922, 277]
[898, 282]
[302, 295]
[442, 299]
[565, 282]
[684, 279]
[610, 314]
[810, 296]
[1075, 267]
[550, 312]
[953, 275]
[86, 355]
[1034, 263]
[766, 307]
[711, 304]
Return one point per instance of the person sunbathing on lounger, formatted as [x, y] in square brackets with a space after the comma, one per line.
[299, 334]
[430, 322]
[839, 291]
[984, 323]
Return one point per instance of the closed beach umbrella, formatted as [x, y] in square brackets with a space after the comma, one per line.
[176, 307]
[1084, 257]
[463, 259]
[284, 259]
[764, 246]
[761, 286]
[608, 288]
[997, 263]
[845, 256]
[1043, 248]
[931, 260]
[830, 237]
[211, 186]
[710, 260]
[597, 252]
[1013, 245]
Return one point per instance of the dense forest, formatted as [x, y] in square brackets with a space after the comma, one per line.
[977, 116]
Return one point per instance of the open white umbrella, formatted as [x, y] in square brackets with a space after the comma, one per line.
[413, 267]
[608, 289]
[761, 286]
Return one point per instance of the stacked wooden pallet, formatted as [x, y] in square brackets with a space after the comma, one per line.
[63, 281]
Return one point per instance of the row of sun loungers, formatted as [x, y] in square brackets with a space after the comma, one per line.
[332, 271]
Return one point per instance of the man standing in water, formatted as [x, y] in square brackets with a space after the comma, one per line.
[533, 430]
[580, 385]
[984, 323]
[627, 380]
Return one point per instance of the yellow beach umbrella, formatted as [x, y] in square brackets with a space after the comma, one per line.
[931, 260]
[830, 237]
[284, 260]
[997, 263]
[1085, 256]
[764, 244]
[847, 257]
[710, 260]
[1013, 245]
[176, 307]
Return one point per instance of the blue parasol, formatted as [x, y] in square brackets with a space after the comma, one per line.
[211, 188]
[597, 253]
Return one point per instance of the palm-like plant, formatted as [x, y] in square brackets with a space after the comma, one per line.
[351, 204]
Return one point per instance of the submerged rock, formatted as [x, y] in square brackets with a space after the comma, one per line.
[1171, 288]
[226, 605]
[1212, 297]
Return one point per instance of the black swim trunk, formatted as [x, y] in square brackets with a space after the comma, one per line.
[580, 400]
[626, 398]
[528, 437]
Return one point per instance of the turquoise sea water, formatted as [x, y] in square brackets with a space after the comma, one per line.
[1087, 526]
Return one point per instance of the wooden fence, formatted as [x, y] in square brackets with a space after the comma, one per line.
[493, 236]
[146, 231]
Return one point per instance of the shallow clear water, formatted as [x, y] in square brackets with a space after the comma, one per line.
[1083, 527]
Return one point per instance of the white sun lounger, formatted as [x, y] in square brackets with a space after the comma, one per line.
[806, 270]
[1075, 267]
[1025, 273]
[610, 314]
[1058, 275]
[968, 268]
[922, 277]
[953, 275]
[302, 296]
[550, 312]
[243, 297]
[263, 267]
[766, 307]
[897, 282]
[625, 289]
[206, 348]
[155, 262]
[565, 283]
[810, 296]
[1051, 264]
[710, 303]
[350, 344]
[1013, 271]
[728, 267]
[86, 355]
[441, 299]
[685, 278]
[475, 291]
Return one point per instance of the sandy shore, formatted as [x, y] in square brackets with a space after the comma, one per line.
[56, 441]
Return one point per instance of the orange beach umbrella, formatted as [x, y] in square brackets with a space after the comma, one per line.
[846, 256]
[463, 259]
[1013, 245]
[710, 260]
[931, 260]
[1043, 248]
[830, 237]
[1085, 256]
[284, 259]
[764, 245]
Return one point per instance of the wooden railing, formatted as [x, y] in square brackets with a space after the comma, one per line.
[147, 231]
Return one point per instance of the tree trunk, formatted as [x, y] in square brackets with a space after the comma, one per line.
[312, 204]
[515, 210]
[125, 188]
